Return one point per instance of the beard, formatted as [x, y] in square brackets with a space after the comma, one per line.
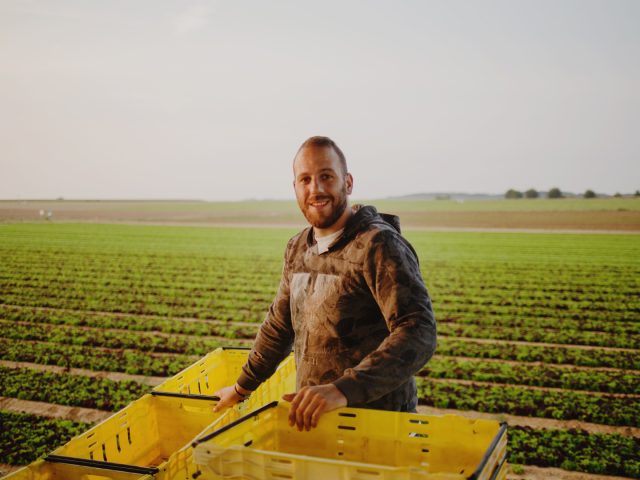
[328, 215]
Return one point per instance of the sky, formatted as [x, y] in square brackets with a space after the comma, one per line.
[168, 99]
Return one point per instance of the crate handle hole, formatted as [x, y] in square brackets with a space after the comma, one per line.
[346, 427]
[368, 472]
[420, 422]
[118, 442]
[104, 452]
[346, 414]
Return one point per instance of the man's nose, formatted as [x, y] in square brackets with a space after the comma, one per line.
[317, 186]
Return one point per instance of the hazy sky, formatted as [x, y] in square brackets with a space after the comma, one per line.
[210, 99]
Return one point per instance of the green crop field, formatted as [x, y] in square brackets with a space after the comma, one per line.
[540, 329]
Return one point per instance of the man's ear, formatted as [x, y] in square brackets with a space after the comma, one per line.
[349, 182]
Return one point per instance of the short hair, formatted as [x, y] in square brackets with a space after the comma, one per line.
[324, 142]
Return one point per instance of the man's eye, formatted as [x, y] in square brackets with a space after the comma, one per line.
[326, 176]
[304, 180]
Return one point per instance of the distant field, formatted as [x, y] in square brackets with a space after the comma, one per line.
[540, 329]
[540, 214]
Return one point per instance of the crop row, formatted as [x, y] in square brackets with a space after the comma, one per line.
[515, 400]
[25, 437]
[596, 453]
[92, 358]
[618, 327]
[66, 389]
[253, 309]
[43, 252]
[592, 357]
[539, 335]
[229, 330]
[148, 341]
[534, 375]
[247, 282]
[566, 336]
[186, 303]
[134, 361]
[556, 404]
[128, 322]
[97, 337]
[242, 288]
[538, 375]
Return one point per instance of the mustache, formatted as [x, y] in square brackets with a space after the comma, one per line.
[320, 198]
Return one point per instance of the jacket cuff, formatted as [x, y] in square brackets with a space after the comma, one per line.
[247, 383]
[352, 390]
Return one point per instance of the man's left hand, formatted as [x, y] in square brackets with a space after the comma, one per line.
[310, 402]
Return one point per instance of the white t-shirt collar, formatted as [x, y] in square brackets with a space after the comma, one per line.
[326, 241]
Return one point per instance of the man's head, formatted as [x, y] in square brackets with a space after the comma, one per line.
[322, 184]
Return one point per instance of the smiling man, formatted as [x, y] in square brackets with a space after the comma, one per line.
[351, 302]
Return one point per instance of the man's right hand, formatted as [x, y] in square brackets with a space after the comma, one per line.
[229, 397]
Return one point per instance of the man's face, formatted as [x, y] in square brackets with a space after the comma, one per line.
[321, 185]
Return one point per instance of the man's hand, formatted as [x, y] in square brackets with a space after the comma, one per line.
[310, 402]
[229, 397]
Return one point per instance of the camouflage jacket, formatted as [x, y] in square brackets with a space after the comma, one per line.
[358, 315]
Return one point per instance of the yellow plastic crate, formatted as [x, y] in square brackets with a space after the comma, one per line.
[215, 370]
[44, 470]
[354, 444]
[281, 382]
[153, 435]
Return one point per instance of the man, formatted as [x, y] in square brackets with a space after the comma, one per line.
[351, 301]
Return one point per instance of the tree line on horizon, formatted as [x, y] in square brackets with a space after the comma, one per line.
[554, 192]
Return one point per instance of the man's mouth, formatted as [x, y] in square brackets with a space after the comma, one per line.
[319, 203]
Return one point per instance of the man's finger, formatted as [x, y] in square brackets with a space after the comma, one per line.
[316, 403]
[294, 405]
[287, 397]
[317, 412]
[301, 411]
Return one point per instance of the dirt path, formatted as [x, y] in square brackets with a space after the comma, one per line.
[115, 376]
[251, 324]
[141, 332]
[540, 364]
[141, 315]
[193, 358]
[535, 422]
[532, 387]
[541, 344]
[7, 469]
[50, 410]
[539, 473]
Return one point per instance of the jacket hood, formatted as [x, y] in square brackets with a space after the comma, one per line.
[365, 216]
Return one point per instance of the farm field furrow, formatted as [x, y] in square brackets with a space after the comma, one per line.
[114, 376]
[197, 326]
[561, 405]
[545, 327]
[71, 390]
[226, 329]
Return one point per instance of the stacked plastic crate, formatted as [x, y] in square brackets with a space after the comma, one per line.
[174, 434]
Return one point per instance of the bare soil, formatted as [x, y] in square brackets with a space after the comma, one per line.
[51, 410]
[539, 473]
[618, 221]
[115, 376]
[535, 422]
[533, 387]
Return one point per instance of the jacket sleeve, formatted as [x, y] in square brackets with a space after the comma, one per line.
[275, 337]
[393, 276]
